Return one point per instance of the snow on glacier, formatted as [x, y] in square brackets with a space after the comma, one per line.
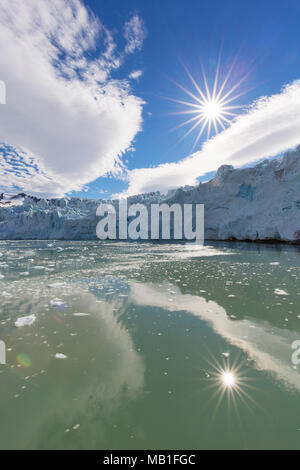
[258, 203]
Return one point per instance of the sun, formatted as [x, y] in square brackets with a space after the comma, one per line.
[211, 109]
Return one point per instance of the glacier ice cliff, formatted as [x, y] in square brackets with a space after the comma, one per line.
[258, 203]
[261, 203]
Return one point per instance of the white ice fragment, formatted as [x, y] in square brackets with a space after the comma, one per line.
[6, 294]
[58, 303]
[60, 356]
[25, 321]
[280, 292]
[81, 314]
[55, 284]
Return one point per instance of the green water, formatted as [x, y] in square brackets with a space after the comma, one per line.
[144, 368]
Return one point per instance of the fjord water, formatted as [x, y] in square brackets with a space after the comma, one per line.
[144, 334]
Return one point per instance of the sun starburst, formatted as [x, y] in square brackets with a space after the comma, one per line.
[229, 380]
[210, 109]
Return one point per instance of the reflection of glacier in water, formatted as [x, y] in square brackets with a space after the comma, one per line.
[268, 346]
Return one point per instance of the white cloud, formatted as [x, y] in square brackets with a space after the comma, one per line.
[66, 113]
[270, 126]
[136, 74]
[135, 34]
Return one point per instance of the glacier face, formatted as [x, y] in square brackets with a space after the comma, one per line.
[258, 203]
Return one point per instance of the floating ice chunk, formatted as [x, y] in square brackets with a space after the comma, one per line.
[6, 294]
[25, 321]
[225, 354]
[55, 284]
[280, 292]
[77, 426]
[58, 303]
[275, 263]
[81, 314]
[1, 276]
[60, 356]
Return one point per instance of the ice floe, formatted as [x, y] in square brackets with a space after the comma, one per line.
[60, 356]
[58, 303]
[280, 292]
[25, 321]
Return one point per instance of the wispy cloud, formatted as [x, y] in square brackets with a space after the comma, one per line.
[66, 117]
[270, 126]
[135, 33]
[136, 74]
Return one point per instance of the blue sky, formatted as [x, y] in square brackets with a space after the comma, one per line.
[263, 37]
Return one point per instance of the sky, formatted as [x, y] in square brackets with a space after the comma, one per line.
[95, 91]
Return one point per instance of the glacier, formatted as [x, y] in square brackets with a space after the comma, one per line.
[261, 203]
[25, 321]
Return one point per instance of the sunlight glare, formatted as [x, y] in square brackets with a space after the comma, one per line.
[228, 384]
[228, 379]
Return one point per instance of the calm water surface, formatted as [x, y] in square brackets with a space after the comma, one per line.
[164, 346]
